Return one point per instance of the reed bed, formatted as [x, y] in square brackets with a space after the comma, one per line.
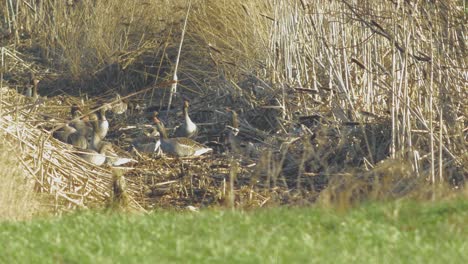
[55, 169]
[338, 98]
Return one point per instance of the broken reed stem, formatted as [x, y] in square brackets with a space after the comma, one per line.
[232, 177]
[120, 198]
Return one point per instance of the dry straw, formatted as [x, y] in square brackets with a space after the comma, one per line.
[55, 169]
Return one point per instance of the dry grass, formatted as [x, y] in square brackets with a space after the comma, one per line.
[18, 201]
[360, 99]
[49, 163]
[375, 67]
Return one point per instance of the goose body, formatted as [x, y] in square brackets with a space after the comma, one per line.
[120, 107]
[78, 140]
[113, 159]
[100, 128]
[103, 124]
[64, 133]
[31, 90]
[93, 157]
[96, 157]
[105, 155]
[81, 126]
[231, 131]
[179, 146]
[183, 147]
[232, 141]
[187, 129]
[76, 131]
[147, 145]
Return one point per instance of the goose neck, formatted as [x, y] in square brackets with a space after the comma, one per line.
[162, 131]
[101, 114]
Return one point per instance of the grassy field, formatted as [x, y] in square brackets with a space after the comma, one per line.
[398, 232]
[339, 102]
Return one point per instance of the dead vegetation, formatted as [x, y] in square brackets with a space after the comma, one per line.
[18, 201]
[338, 101]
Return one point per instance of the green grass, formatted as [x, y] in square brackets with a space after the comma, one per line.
[398, 232]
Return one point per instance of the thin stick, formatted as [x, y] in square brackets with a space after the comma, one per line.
[431, 117]
[175, 79]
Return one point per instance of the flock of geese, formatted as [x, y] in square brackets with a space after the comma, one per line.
[87, 136]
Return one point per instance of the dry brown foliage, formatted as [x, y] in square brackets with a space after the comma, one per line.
[352, 99]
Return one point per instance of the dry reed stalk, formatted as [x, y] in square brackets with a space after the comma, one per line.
[74, 182]
[175, 78]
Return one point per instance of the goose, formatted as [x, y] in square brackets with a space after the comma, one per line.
[31, 90]
[232, 131]
[179, 146]
[234, 143]
[78, 140]
[147, 143]
[74, 132]
[119, 107]
[79, 124]
[96, 157]
[113, 159]
[103, 124]
[96, 136]
[187, 129]
[63, 133]
[105, 154]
